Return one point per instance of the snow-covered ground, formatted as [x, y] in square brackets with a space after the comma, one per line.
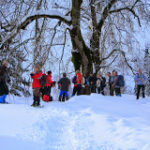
[83, 123]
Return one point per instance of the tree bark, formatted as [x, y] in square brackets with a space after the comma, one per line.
[81, 54]
[97, 29]
[95, 39]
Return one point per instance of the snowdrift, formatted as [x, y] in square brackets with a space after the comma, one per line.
[83, 123]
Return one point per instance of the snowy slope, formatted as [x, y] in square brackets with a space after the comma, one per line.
[83, 123]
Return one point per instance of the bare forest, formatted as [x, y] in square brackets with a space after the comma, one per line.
[67, 35]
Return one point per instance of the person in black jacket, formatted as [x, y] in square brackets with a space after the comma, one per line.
[115, 83]
[100, 84]
[110, 83]
[64, 84]
[4, 79]
[92, 81]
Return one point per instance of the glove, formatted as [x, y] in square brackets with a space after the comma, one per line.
[31, 74]
[54, 83]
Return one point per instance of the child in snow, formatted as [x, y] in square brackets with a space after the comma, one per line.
[4, 79]
[36, 76]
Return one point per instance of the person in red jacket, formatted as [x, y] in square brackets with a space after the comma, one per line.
[36, 76]
[47, 87]
[77, 81]
[49, 81]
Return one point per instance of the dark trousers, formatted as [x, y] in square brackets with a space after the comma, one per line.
[100, 90]
[116, 90]
[46, 90]
[93, 88]
[111, 90]
[139, 87]
[77, 90]
[36, 96]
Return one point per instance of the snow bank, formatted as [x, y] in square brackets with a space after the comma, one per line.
[83, 123]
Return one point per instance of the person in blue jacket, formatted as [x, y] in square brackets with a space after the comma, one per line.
[140, 81]
[4, 79]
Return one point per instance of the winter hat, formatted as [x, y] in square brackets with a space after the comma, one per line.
[49, 72]
[64, 74]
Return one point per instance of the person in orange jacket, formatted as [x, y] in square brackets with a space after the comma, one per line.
[78, 82]
[36, 76]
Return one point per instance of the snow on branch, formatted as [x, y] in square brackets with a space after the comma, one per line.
[105, 13]
[75, 51]
[54, 14]
[130, 10]
[123, 54]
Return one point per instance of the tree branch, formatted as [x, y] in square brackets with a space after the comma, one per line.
[37, 15]
[123, 54]
[109, 63]
[109, 55]
[130, 10]
[105, 14]
[33, 17]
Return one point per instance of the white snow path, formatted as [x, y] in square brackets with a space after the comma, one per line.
[84, 123]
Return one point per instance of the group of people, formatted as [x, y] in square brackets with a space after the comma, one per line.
[82, 85]
[95, 83]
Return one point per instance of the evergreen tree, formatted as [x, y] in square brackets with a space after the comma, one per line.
[16, 57]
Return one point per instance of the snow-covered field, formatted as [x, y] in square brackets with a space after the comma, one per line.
[83, 123]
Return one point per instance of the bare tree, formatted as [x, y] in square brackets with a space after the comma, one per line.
[112, 22]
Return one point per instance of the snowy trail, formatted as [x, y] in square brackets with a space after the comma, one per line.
[83, 123]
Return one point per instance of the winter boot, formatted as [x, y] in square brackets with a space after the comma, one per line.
[60, 98]
[67, 98]
[37, 101]
[143, 95]
[63, 98]
[34, 101]
[137, 97]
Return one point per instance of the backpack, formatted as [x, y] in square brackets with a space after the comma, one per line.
[43, 80]
[98, 83]
[46, 98]
[121, 81]
[74, 80]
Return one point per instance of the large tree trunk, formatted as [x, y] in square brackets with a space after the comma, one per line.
[97, 29]
[81, 54]
[95, 39]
